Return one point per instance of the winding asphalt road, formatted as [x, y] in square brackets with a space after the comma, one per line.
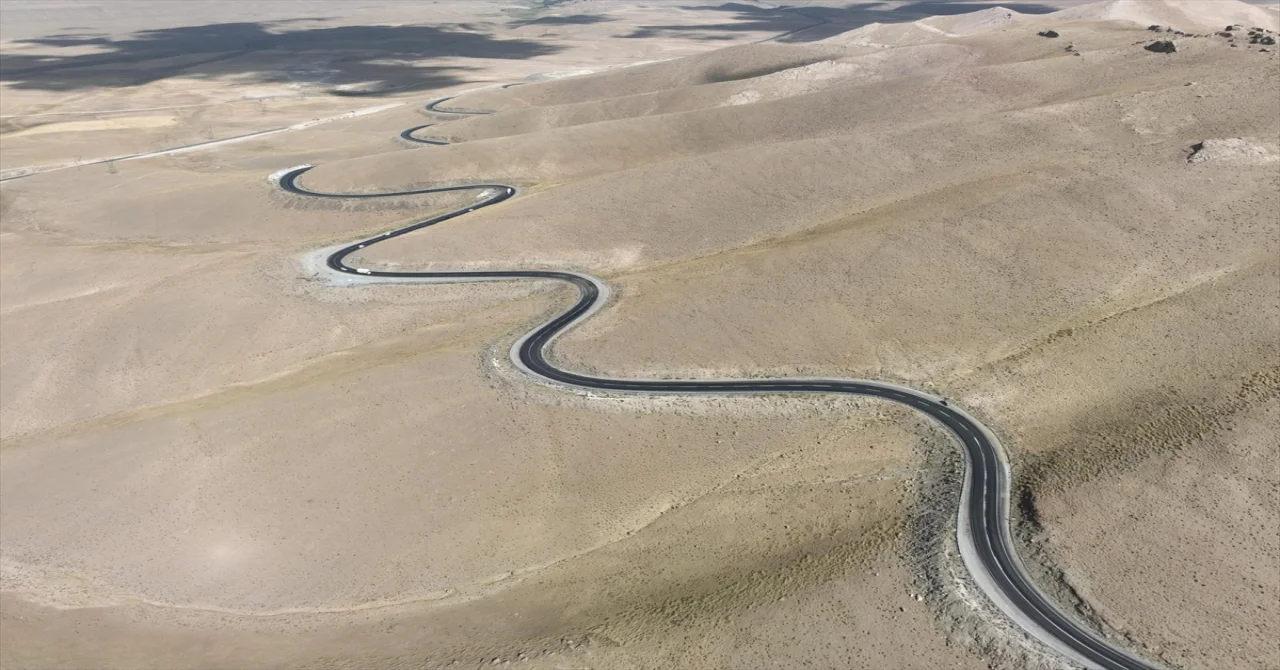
[983, 532]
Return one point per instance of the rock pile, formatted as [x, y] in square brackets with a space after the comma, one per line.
[1260, 36]
[1256, 35]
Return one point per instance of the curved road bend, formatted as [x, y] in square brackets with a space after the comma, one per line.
[434, 106]
[983, 532]
[407, 134]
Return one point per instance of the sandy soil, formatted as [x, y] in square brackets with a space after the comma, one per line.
[211, 70]
[211, 458]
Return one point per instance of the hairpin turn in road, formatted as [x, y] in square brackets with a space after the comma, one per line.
[983, 531]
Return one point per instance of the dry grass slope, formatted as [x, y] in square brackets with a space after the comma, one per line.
[213, 458]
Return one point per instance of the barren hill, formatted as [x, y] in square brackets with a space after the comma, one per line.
[212, 458]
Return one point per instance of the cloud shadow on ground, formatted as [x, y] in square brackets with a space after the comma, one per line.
[386, 56]
[572, 20]
[811, 23]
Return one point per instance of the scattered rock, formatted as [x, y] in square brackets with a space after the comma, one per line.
[1264, 50]
[1223, 33]
[1155, 28]
[1234, 26]
[1268, 40]
[1048, 33]
[1235, 150]
[1162, 47]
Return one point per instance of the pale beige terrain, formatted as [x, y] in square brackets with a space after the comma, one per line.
[84, 83]
[210, 457]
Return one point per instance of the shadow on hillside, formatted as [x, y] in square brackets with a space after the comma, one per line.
[573, 20]
[811, 23]
[256, 53]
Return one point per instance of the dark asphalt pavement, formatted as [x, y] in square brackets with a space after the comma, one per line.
[986, 481]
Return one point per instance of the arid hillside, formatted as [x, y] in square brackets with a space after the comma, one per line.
[211, 455]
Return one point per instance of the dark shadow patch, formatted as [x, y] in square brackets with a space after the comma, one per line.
[812, 23]
[376, 57]
[717, 75]
[927, 8]
[573, 20]
[70, 40]
[1028, 510]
